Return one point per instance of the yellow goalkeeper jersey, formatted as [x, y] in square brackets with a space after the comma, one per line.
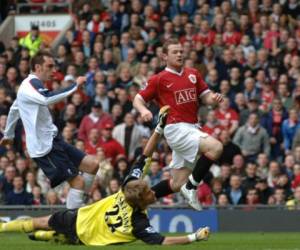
[107, 221]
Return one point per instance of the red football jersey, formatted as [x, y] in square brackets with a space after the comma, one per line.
[178, 90]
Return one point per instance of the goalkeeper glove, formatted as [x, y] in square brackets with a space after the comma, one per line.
[200, 234]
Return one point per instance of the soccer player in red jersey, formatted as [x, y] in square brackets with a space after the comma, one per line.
[193, 150]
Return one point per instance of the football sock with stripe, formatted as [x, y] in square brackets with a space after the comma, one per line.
[201, 169]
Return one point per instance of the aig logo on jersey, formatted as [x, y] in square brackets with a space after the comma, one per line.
[185, 95]
[192, 78]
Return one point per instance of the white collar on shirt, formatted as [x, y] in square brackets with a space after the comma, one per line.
[174, 71]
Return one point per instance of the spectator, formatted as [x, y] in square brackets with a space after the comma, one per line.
[111, 147]
[252, 107]
[128, 135]
[212, 125]
[227, 116]
[296, 181]
[121, 169]
[238, 165]
[113, 186]
[294, 203]
[102, 97]
[95, 119]
[285, 95]
[155, 173]
[252, 138]
[235, 192]
[262, 165]
[32, 41]
[296, 140]
[23, 69]
[216, 188]
[38, 198]
[6, 181]
[289, 128]
[68, 135]
[93, 67]
[52, 198]
[223, 201]
[252, 198]
[278, 198]
[93, 141]
[30, 181]
[273, 174]
[264, 191]
[230, 150]
[18, 196]
[251, 179]
[272, 123]
[117, 114]
[225, 175]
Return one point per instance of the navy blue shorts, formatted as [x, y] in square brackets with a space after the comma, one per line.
[61, 163]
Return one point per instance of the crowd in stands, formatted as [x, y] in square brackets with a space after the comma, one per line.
[247, 50]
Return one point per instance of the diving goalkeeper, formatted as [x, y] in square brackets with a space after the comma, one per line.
[118, 218]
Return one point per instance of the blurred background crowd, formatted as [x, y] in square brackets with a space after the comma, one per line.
[247, 50]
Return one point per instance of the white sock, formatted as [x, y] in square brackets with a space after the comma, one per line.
[88, 181]
[75, 198]
[192, 180]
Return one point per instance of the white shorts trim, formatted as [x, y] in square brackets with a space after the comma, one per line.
[184, 140]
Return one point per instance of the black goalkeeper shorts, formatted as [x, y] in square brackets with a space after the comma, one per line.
[64, 222]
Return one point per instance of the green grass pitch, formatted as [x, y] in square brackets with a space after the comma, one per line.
[217, 241]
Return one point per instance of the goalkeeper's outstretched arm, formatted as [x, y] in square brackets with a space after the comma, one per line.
[142, 164]
[199, 235]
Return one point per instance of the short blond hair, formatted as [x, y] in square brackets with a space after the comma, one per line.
[134, 191]
[169, 42]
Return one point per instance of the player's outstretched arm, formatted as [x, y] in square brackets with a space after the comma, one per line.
[45, 97]
[199, 235]
[142, 164]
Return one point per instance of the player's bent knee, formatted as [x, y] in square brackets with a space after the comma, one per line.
[89, 164]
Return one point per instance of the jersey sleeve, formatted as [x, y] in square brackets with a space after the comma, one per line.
[150, 90]
[136, 171]
[43, 96]
[12, 119]
[142, 229]
[202, 86]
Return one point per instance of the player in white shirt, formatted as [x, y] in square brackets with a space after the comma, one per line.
[59, 161]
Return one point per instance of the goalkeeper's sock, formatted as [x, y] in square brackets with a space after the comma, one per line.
[42, 235]
[17, 226]
[162, 189]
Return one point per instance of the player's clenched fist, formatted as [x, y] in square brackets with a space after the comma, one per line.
[80, 80]
[146, 116]
[218, 97]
